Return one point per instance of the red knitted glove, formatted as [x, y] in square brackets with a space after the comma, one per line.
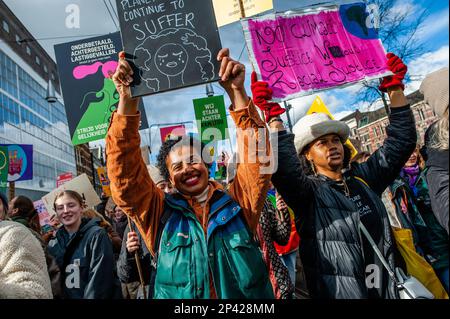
[399, 69]
[261, 95]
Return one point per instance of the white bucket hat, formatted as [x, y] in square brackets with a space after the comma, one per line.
[316, 125]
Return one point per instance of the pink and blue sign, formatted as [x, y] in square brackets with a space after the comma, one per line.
[20, 162]
[302, 52]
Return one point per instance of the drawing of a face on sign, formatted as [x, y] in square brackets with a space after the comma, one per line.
[171, 59]
[176, 57]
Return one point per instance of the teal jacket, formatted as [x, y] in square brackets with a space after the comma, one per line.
[186, 257]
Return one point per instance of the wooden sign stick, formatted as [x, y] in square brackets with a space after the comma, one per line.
[138, 263]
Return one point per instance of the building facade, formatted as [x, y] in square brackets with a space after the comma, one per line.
[25, 116]
[370, 127]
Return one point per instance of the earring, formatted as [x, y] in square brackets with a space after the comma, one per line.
[313, 168]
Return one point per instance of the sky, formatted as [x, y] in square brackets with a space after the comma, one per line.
[45, 19]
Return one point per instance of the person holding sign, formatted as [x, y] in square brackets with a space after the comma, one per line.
[332, 199]
[203, 235]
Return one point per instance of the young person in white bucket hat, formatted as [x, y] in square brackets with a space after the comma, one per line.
[331, 198]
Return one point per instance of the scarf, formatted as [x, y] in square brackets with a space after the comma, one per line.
[412, 173]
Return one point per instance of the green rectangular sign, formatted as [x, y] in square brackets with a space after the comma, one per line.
[211, 118]
[4, 166]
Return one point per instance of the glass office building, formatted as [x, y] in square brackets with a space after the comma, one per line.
[27, 118]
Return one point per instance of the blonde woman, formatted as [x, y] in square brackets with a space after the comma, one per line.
[435, 90]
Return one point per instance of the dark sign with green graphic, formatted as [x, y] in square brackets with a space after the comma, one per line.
[85, 69]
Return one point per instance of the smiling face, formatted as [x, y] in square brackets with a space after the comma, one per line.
[188, 173]
[171, 59]
[412, 159]
[69, 211]
[327, 153]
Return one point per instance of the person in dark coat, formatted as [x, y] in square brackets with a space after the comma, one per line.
[411, 199]
[331, 198]
[127, 269]
[120, 221]
[435, 89]
[83, 252]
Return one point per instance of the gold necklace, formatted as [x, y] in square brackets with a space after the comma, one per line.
[346, 189]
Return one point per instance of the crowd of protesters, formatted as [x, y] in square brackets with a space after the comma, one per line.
[176, 233]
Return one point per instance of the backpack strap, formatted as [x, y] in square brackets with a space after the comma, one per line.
[361, 180]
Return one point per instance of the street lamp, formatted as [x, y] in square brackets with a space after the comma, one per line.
[209, 90]
[288, 108]
[50, 97]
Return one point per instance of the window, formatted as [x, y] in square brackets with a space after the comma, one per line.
[375, 131]
[5, 26]
[421, 115]
[28, 50]
[38, 61]
[18, 40]
[45, 69]
[364, 121]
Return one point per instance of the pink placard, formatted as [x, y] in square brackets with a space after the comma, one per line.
[300, 53]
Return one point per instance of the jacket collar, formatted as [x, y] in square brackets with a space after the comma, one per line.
[86, 224]
[181, 201]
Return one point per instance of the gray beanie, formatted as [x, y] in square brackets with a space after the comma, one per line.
[435, 91]
[155, 174]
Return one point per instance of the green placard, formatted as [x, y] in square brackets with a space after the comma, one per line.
[4, 165]
[210, 114]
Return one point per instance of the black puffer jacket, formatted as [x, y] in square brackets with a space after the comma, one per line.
[327, 220]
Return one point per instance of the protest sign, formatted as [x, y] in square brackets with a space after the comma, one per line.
[20, 162]
[4, 165]
[318, 106]
[170, 131]
[229, 11]
[85, 68]
[104, 180]
[306, 51]
[44, 216]
[211, 118]
[80, 184]
[170, 44]
[63, 178]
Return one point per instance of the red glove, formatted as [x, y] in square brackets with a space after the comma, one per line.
[399, 69]
[261, 95]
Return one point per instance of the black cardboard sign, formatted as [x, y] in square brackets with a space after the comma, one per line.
[171, 44]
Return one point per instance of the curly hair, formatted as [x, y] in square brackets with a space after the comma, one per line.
[306, 165]
[179, 141]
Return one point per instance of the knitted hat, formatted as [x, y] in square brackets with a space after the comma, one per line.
[311, 127]
[435, 91]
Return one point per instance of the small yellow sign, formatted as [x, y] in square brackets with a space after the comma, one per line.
[229, 11]
[319, 106]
